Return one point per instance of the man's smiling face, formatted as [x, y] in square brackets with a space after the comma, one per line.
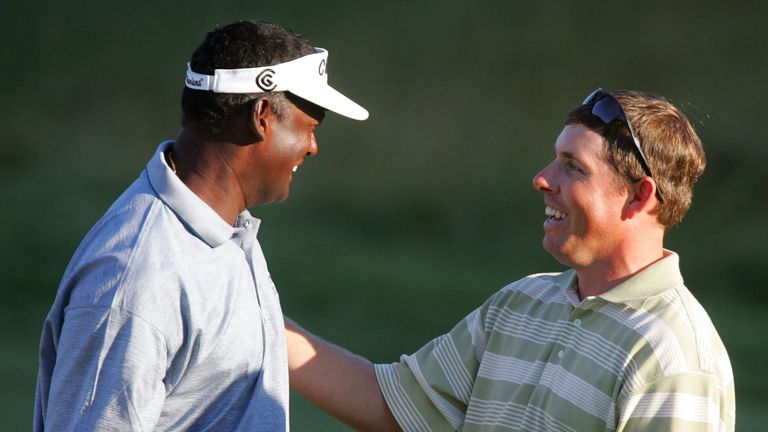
[583, 198]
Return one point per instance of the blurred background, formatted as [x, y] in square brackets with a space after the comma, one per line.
[406, 222]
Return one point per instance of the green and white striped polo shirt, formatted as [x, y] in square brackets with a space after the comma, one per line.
[642, 356]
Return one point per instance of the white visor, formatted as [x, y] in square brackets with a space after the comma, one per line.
[305, 77]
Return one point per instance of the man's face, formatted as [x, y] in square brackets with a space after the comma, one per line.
[584, 200]
[286, 144]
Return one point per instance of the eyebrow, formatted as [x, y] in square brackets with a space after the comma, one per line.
[567, 155]
[571, 156]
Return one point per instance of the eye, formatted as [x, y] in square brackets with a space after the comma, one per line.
[571, 165]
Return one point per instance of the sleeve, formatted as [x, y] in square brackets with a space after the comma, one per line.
[682, 402]
[108, 374]
[430, 389]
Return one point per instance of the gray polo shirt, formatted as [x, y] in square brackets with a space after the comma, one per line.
[166, 319]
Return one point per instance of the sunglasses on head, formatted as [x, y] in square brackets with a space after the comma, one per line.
[608, 109]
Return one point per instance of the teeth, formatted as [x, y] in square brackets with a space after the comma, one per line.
[549, 211]
[295, 168]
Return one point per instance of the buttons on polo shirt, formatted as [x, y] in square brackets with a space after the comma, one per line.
[248, 223]
[560, 354]
[577, 322]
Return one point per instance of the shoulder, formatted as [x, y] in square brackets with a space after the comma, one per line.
[139, 244]
[679, 323]
[538, 288]
[680, 366]
[532, 295]
[675, 337]
[119, 228]
[695, 332]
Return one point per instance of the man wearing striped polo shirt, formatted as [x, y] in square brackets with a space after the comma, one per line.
[615, 343]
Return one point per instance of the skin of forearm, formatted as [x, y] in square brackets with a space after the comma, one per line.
[337, 381]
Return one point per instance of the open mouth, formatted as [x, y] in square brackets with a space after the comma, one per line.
[554, 215]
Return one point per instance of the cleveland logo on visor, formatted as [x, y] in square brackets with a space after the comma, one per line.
[305, 77]
[264, 80]
[321, 68]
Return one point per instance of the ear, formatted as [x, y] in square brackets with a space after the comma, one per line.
[261, 118]
[642, 198]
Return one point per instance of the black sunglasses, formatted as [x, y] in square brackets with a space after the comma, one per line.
[608, 109]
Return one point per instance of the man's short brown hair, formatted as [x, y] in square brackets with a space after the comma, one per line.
[668, 139]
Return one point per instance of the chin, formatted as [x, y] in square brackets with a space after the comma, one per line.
[268, 200]
[557, 253]
[281, 197]
[278, 199]
[549, 248]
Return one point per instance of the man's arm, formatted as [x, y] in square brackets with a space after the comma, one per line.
[337, 381]
[108, 373]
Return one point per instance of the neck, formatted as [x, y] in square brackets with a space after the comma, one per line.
[203, 166]
[602, 275]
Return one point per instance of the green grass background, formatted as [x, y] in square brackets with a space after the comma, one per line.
[406, 222]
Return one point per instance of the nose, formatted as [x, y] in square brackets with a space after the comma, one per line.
[312, 150]
[543, 182]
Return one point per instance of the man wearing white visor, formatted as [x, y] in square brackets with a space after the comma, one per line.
[167, 317]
